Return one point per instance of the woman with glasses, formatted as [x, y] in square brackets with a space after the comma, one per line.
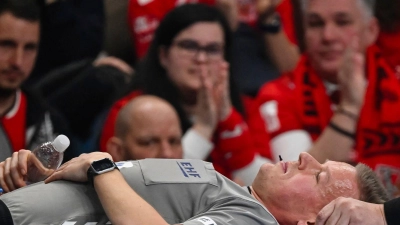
[188, 65]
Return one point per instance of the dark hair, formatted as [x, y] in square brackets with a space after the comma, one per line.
[152, 78]
[371, 189]
[24, 9]
[388, 14]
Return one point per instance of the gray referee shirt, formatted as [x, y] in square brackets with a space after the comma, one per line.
[188, 192]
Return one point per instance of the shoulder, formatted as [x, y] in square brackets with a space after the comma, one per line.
[281, 88]
[37, 108]
[124, 100]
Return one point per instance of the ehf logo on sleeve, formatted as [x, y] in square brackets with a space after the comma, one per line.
[188, 170]
[206, 220]
[176, 171]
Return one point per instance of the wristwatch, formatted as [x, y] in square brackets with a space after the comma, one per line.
[99, 167]
[272, 26]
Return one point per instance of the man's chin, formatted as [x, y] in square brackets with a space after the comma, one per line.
[7, 92]
[328, 72]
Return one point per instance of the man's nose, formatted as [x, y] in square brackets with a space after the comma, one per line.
[306, 161]
[166, 150]
[329, 32]
[17, 57]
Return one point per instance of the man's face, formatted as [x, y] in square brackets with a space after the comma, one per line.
[330, 26]
[154, 134]
[19, 40]
[294, 191]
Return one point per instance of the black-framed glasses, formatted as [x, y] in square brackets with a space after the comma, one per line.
[191, 48]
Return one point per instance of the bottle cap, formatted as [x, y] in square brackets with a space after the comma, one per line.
[60, 143]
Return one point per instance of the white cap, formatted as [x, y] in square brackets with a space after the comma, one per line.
[60, 143]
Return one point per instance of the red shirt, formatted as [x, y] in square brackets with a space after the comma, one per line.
[14, 122]
[144, 17]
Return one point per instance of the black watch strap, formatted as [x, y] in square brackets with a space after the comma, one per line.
[273, 26]
[99, 167]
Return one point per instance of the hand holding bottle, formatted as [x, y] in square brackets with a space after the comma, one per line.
[25, 166]
[13, 171]
[46, 158]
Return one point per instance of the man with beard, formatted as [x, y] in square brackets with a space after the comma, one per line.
[25, 122]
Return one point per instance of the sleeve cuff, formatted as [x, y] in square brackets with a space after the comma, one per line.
[248, 173]
[195, 146]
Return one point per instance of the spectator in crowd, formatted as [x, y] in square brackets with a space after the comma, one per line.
[172, 191]
[388, 14]
[264, 38]
[83, 92]
[303, 110]
[348, 211]
[188, 65]
[146, 127]
[25, 120]
[71, 31]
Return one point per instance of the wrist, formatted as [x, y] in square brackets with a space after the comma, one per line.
[350, 107]
[342, 131]
[270, 24]
[99, 167]
[350, 113]
[225, 113]
[204, 130]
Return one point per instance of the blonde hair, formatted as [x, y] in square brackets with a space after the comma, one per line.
[371, 189]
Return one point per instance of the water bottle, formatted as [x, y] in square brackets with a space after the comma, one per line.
[46, 158]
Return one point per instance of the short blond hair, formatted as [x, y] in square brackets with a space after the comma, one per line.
[371, 188]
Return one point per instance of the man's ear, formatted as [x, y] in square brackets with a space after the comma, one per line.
[373, 31]
[115, 149]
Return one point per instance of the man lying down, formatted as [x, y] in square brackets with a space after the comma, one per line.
[178, 191]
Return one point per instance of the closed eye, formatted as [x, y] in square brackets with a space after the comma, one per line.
[317, 176]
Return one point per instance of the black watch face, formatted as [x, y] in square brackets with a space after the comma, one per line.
[103, 164]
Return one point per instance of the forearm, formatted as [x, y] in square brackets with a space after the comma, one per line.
[333, 145]
[230, 10]
[121, 203]
[283, 53]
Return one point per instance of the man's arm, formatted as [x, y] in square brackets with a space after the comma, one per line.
[281, 50]
[337, 140]
[284, 54]
[120, 202]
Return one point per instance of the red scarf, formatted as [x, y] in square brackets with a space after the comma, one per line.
[377, 141]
